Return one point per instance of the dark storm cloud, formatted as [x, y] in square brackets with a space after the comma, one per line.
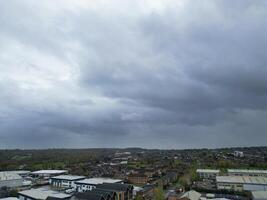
[167, 75]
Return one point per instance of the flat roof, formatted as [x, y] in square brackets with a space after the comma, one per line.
[4, 176]
[50, 172]
[208, 170]
[96, 181]
[43, 193]
[259, 194]
[20, 171]
[247, 171]
[68, 177]
[242, 180]
[9, 198]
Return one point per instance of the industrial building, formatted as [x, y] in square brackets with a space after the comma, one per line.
[208, 173]
[10, 179]
[259, 195]
[22, 173]
[123, 191]
[241, 183]
[246, 172]
[65, 181]
[42, 194]
[46, 174]
[89, 184]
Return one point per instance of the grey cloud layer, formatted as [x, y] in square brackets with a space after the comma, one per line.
[154, 75]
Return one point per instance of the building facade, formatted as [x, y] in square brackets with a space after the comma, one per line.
[65, 181]
[138, 179]
[245, 172]
[91, 183]
[241, 183]
[208, 173]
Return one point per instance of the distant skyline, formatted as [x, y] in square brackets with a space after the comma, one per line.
[152, 74]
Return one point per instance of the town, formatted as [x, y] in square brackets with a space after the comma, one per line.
[134, 173]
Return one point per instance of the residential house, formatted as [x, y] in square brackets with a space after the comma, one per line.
[138, 179]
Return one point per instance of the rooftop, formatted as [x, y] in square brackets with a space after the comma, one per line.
[43, 193]
[242, 180]
[9, 198]
[208, 170]
[50, 172]
[247, 171]
[68, 177]
[114, 186]
[20, 171]
[192, 195]
[96, 181]
[89, 195]
[4, 176]
[259, 194]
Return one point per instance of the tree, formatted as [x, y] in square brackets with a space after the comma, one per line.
[159, 194]
[138, 197]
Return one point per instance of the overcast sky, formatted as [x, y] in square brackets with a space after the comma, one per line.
[124, 73]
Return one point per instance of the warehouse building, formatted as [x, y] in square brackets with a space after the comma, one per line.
[259, 195]
[91, 183]
[246, 172]
[42, 194]
[22, 173]
[10, 179]
[46, 174]
[65, 181]
[208, 173]
[241, 183]
[123, 191]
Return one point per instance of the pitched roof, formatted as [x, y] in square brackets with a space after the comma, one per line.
[88, 195]
[104, 192]
[192, 195]
[115, 186]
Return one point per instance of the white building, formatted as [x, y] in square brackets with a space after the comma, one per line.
[41, 194]
[208, 173]
[48, 173]
[10, 179]
[192, 195]
[65, 181]
[89, 184]
[241, 183]
[259, 195]
[22, 173]
[239, 154]
[246, 172]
